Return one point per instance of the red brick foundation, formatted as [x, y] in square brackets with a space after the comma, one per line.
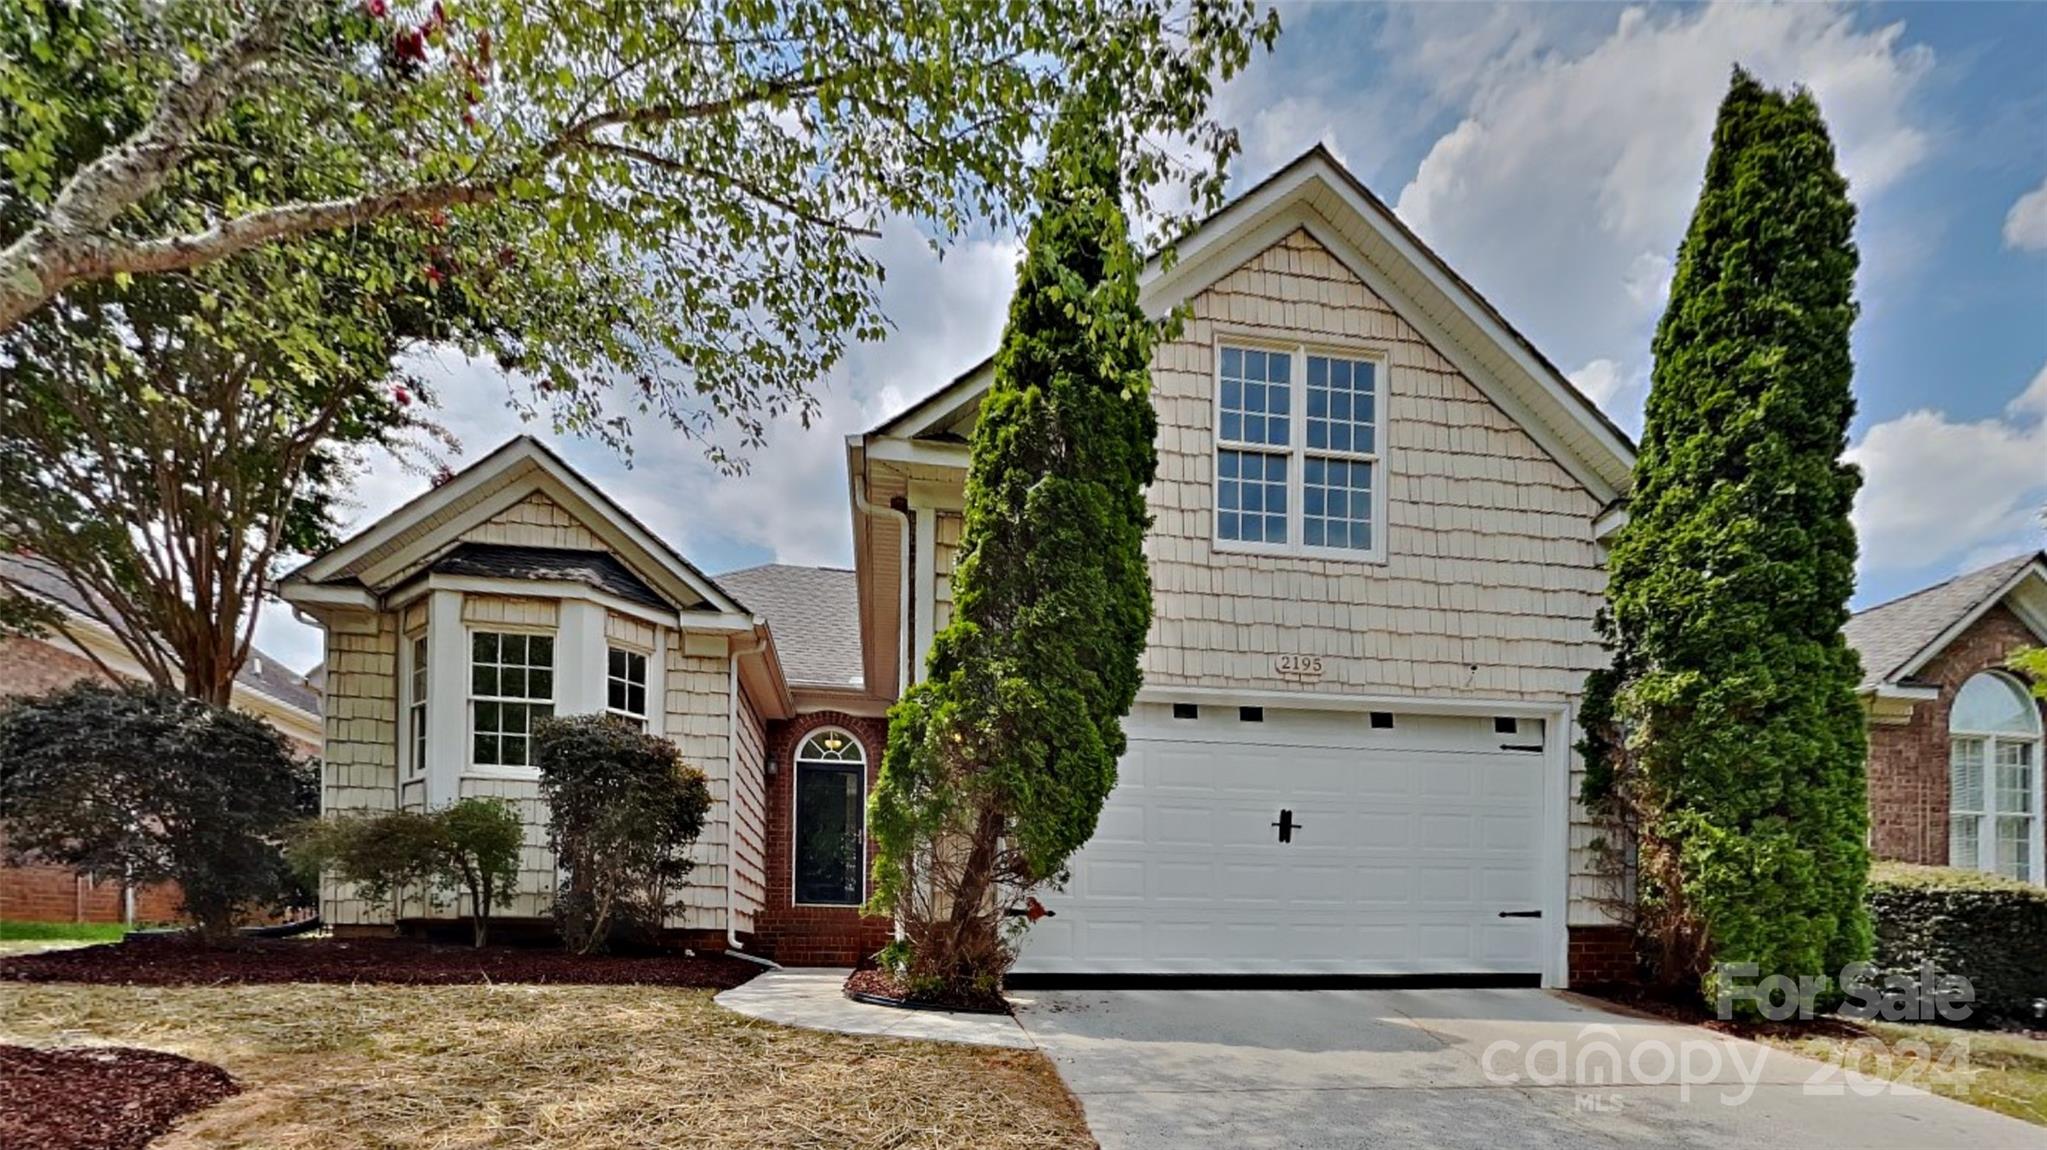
[812, 935]
[1602, 956]
[1908, 762]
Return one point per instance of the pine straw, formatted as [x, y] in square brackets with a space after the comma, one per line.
[583, 1067]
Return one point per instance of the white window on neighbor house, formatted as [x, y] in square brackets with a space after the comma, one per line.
[415, 705]
[625, 684]
[1994, 817]
[511, 683]
[831, 802]
[1299, 452]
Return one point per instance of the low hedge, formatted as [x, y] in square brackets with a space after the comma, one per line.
[1986, 928]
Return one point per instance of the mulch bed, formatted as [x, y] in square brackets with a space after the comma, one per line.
[397, 961]
[881, 988]
[99, 1098]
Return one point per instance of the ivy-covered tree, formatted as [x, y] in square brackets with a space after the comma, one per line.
[1726, 738]
[998, 764]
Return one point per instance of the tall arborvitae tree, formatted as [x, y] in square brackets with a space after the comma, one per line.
[1726, 738]
[998, 765]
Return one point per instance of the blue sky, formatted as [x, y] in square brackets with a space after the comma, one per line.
[1550, 152]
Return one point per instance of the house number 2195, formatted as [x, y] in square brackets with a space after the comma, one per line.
[1298, 666]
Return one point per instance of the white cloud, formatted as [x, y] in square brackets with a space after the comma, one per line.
[1566, 186]
[2025, 226]
[1936, 490]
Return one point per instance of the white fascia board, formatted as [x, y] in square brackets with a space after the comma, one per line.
[1325, 701]
[429, 503]
[318, 595]
[891, 449]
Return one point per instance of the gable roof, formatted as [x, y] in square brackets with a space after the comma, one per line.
[487, 482]
[1896, 638]
[261, 672]
[815, 616]
[1317, 192]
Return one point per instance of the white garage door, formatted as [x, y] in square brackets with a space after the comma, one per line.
[1414, 849]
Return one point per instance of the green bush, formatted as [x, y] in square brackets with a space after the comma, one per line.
[146, 785]
[471, 847]
[622, 813]
[1988, 929]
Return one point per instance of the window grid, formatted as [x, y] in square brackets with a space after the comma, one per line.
[1991, 802]
[511, 683]
[416, 706]
[625, 683]
[1297, 437]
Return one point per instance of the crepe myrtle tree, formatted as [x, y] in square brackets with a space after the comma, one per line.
[1725, 740]
[681, 191]
[998, 764]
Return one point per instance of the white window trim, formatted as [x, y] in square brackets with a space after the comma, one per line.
[1986, 819]
[796, 764]
[646, 682]
[1297, 451]
[472, 768]
[415, 704]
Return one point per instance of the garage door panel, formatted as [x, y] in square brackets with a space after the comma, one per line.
[1401, 860]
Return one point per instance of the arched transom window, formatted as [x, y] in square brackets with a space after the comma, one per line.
[1994, 778]
[831, 800]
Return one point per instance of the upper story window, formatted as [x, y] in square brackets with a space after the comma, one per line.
[625, 684]
[511, 683]
[1298, 464]
[1993, 778]
[415, 705]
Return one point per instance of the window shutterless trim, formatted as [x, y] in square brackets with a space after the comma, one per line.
[1296, 451]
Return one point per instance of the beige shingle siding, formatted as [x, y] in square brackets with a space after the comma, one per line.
[1490, 562]
[535, 897]
[698, 685]
[509, 611]
[749, 814]
[945, 552]
[627, 631]
[1491, 579]
[535, 521]
[359, 768]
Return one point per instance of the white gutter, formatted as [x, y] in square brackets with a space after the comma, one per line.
[903, 653]
[733, 946]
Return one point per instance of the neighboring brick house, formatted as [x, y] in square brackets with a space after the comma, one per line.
[265, 688]
[1377, 553]
[1955, 748]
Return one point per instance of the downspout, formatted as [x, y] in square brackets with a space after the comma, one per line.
[733, 947]
[902, 515]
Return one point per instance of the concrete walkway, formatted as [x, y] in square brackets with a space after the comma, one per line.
[1478, 1069]
[814, 998]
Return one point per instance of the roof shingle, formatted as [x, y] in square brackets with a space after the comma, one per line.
[599, 569]
[814, 613]
[1889, 635]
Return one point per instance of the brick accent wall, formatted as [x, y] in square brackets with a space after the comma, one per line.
[1601, 956]
[812, 935]
[1908, 762]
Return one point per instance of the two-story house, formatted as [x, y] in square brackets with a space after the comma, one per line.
[1376, 561]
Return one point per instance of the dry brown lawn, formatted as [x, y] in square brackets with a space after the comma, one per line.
[549, 1067]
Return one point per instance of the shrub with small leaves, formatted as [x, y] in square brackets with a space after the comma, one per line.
[1988, 929]
[145, 785]
[471, 847]
[622, 813]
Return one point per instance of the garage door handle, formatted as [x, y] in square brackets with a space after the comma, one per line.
[1520, 914]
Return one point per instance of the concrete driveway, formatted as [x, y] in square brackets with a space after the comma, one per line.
[1458, 1068]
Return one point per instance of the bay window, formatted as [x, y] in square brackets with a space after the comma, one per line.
[511, 683]
[625, 684]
